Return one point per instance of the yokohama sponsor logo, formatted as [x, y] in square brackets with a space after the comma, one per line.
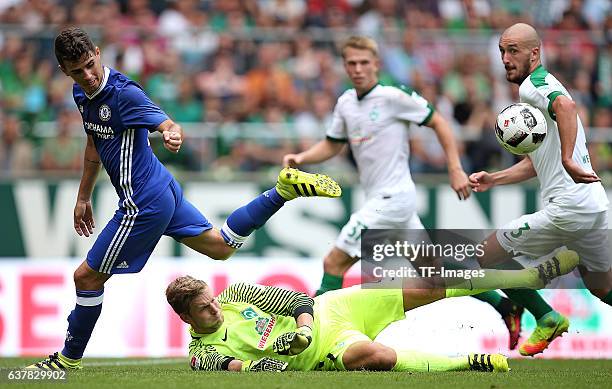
[264, 337]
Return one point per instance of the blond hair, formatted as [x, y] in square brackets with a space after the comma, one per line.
[360, 43]
[181, 292]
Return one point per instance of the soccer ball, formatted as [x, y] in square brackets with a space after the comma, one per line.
[520, 128]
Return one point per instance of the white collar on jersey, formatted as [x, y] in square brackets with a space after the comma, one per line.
[102, 84]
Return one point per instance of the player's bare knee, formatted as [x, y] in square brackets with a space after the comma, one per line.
[370, 356]
[87, 279]
[424, 294]
[337, 262]
[380, 358]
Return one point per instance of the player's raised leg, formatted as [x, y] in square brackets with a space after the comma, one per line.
[292, 183]
[241, 223]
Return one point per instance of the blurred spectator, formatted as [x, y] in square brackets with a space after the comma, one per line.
[281, 13]
[186, 107]
[222, 83]
[162, 85]
[16, 152]
[266, 145]
[401, 60]
[467, 86]
[182, 23]
[271, 63]
[461, 14]
[603, 73]
[63, 152]
[426, 153]
[600, 150]
[268, 83]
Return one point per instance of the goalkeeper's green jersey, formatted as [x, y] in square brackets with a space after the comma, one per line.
[254, 316]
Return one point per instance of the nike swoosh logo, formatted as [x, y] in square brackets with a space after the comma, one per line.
[224, 337]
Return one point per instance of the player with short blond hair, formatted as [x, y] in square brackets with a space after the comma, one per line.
[374, 119]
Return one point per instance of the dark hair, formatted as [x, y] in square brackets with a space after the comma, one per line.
[72, 44]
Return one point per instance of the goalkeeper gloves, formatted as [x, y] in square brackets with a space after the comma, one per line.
[264, 364]
[293, 343]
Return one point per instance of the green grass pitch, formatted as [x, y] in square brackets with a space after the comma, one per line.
[174, 373]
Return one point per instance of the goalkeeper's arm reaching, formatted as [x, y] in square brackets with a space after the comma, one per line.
[208, 359]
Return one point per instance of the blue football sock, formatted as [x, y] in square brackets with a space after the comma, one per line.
[82, 321]
[244, 220]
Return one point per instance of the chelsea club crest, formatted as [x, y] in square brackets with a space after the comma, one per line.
[104, 112]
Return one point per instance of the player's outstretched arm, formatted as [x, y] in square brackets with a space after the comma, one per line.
[458, 179]
[206, 358]
[319, 152]
[83, 214]
[172, 134]
[519, 172]
[567, 122]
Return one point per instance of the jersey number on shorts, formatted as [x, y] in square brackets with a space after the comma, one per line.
[355, 233]
[519, 232]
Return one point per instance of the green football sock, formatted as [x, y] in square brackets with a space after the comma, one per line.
[493, 279]
[530, 300]
[608, 298]
[492, 298]
[418, 361]
[329, 282]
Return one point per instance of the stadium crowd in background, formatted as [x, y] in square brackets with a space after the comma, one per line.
[276, 63]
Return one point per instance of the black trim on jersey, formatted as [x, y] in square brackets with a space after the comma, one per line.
[338, 140]
[303, 309]
[226, 362]
[359, 98]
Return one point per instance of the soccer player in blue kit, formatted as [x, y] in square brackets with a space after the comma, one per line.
[117, 117]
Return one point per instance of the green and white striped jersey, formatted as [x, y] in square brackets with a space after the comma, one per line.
[375, 126]
[254, 316]
[541, 89]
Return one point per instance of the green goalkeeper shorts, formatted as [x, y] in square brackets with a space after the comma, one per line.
[351, 315]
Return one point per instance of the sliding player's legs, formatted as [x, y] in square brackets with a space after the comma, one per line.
[350, 323]
[370, 355]
[350, 320]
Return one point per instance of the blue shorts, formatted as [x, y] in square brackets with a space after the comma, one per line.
[127, 241]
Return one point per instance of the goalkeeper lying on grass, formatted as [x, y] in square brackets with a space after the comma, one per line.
[264, 328]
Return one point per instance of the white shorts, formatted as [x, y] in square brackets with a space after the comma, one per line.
[541, 233]
[396, 211]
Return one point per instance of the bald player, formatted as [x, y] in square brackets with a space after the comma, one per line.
[575, 212]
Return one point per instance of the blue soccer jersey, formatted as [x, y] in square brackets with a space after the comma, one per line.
[119, 117]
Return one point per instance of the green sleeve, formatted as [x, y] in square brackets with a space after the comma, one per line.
[269, 299]
[205, 357]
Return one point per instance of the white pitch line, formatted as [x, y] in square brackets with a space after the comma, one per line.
[157, 361]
